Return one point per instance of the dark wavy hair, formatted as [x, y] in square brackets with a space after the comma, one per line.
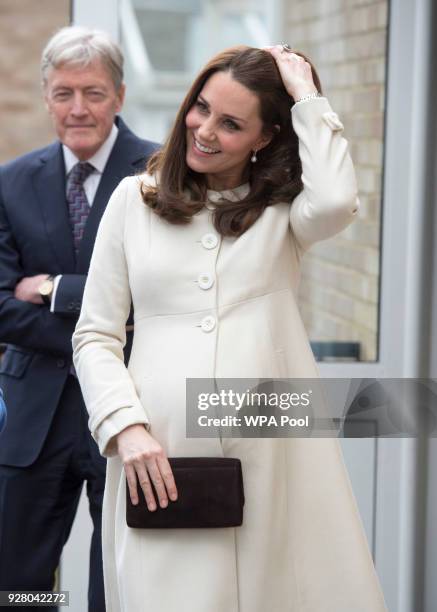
[275, 177]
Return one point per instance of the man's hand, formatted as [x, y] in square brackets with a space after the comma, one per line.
[27, 289]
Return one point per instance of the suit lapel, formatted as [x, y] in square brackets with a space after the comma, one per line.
[123, 161]
[49, 185]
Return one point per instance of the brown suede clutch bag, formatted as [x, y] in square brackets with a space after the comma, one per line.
[210, 494]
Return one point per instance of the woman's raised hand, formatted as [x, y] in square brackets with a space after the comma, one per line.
[295, 71]
[142, 455]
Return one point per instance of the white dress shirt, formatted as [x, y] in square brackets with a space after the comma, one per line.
[91, 184]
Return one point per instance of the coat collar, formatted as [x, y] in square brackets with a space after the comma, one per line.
[127, 157]
[49, 185]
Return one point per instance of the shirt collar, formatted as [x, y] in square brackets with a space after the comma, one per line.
[233, 195]
[99, 159]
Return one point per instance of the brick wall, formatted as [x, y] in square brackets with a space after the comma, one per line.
[347, 42]
[25, 26]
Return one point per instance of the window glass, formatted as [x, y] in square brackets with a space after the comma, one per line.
[339, 294]
[166, 42]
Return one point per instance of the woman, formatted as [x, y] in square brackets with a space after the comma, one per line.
[208, 245]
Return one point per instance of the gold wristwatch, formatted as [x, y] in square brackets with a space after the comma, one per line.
[46, 289]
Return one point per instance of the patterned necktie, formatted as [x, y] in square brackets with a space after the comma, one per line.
[77, 201]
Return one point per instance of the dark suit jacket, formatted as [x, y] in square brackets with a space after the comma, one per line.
[35, 238]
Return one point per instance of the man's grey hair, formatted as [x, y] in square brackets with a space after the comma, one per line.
[77, 46]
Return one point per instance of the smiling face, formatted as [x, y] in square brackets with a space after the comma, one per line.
[83, 103]
[224, 127]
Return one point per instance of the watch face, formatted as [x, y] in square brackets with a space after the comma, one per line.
[46, 288]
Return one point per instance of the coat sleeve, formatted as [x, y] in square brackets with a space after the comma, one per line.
[67, 299]
[31, 326]
[108, 389]
[328, 202]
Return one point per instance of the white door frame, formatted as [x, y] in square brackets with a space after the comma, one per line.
[396, 463]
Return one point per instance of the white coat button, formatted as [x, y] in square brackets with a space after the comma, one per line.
[205, 280]
[207, 324]
[209, 241]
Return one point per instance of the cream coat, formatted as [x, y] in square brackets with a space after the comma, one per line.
[302, 547]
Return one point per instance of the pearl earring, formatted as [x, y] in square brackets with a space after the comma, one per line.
[253, 158]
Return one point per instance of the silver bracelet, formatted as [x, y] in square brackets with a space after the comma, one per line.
[310, 96]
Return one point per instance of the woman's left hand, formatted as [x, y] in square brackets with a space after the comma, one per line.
[295, 72]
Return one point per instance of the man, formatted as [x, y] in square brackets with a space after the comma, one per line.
[51, 203]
